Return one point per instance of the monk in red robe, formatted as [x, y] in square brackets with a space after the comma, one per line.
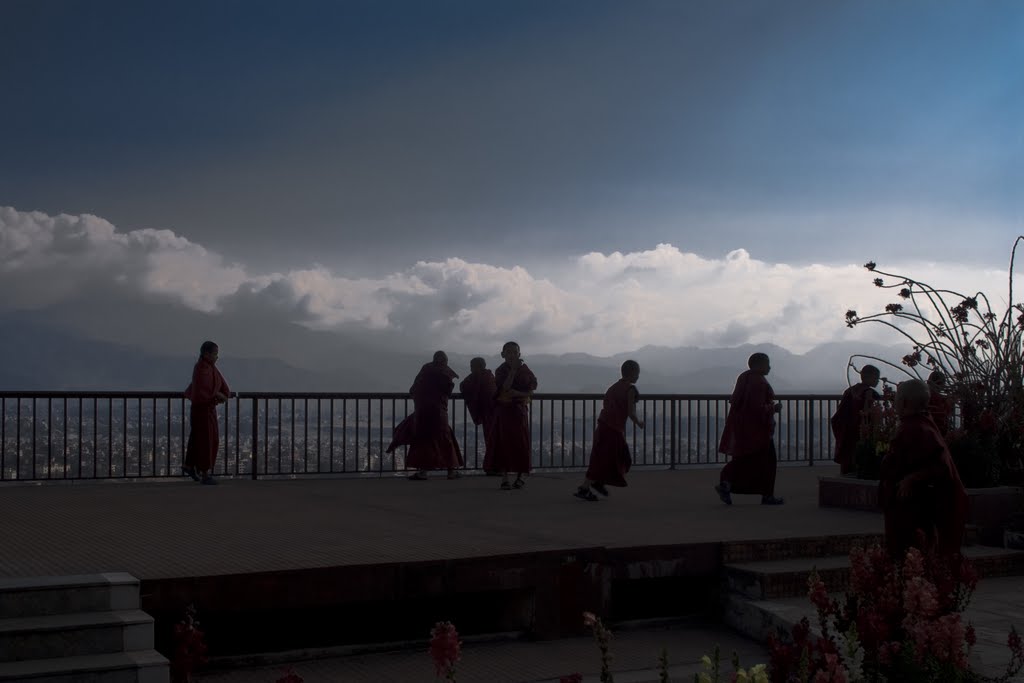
[922, 497]
[940, 406]
[747, 436]
[511, 432]
[846, 423]
[427, 433]
[609, 456]
[478, 390]
[207, 390]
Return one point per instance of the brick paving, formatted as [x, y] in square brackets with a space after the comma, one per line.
[170, 529]
[158, 530]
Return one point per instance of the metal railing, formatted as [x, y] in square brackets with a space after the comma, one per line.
[109, 435]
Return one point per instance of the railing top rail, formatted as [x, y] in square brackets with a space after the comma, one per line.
[556, 396]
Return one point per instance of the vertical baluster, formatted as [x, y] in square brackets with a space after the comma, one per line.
[305, 434]
[344, 435]
[331, 437]
[319, 420]
[3, 437]
[80, 399]
[291, 437]
[380, 432]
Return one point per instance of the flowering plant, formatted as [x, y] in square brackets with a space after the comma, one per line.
[877, 427]
[712, 672]
[189, 647]
[603, 637]
[445, 649]
[980, 351]
[899, 622]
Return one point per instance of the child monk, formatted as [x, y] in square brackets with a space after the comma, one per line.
[922, 497]
[426, 431]
[747, 436]
[478, 390]
[846, 422]
[609, 456]
[511, 432]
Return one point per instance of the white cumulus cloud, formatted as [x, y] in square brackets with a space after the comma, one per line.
[599, 303]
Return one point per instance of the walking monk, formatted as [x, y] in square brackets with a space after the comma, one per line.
[747, 436]
[846, 423]
[511, 434]
[206, 391]
[609, 456]
[478, 390]
[922, 497]
[431, 442]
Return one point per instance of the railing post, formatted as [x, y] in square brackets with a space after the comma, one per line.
[810, 432]
[672, 439]
[254, 451]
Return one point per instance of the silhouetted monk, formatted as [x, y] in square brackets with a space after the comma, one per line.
[940, 406]
[846, 423]
[609, 456]
[920, 491]
[206, 391]
[511, 436]
[431, 442]
[478, 390]
[747, 436]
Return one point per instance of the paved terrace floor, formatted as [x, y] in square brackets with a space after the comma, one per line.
[169, 529]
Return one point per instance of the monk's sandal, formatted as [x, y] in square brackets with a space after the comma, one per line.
[585, 494]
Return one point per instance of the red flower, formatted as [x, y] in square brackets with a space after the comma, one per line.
[445, 648]
[878, 282]
[893, 308]
[870, 265]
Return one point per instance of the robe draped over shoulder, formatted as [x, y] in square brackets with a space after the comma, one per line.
[934, 513]
[204, 435]
[511, 430]
[478, 391]
[426, 430]
[747, 436]
[609, 457]
[846, 423]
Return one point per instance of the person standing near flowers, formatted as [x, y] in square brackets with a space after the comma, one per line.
[747, 436]
[922, 498]
[846, 422]
[609, 456]
[206, 391]
[516, 384]
[939, 405]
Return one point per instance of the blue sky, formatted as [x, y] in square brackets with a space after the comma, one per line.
[797, 130]
[364, 137]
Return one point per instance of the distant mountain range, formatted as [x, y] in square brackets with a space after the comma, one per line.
[55, 350]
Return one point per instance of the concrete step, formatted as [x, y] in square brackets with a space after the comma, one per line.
[69, 635]
[764, 580]
[37, 596]
[789, 548]
[147, 666]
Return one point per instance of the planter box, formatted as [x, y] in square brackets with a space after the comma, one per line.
[988, 508]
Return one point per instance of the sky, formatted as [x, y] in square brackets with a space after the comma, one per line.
[583, 175]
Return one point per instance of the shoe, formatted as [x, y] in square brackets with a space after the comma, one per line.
[455, 474]
[419, 476]
[505, 486]
[723, 492]
[771, 500]
[600, 489]
[586, 494]
[209, 481]
[190, 472]
[518, 483]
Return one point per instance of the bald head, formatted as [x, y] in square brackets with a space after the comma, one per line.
[912, 397]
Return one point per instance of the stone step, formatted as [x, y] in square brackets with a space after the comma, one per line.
[789, 548]
[147, 666]
[764, 580]
[69, 635]
[37, 596]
